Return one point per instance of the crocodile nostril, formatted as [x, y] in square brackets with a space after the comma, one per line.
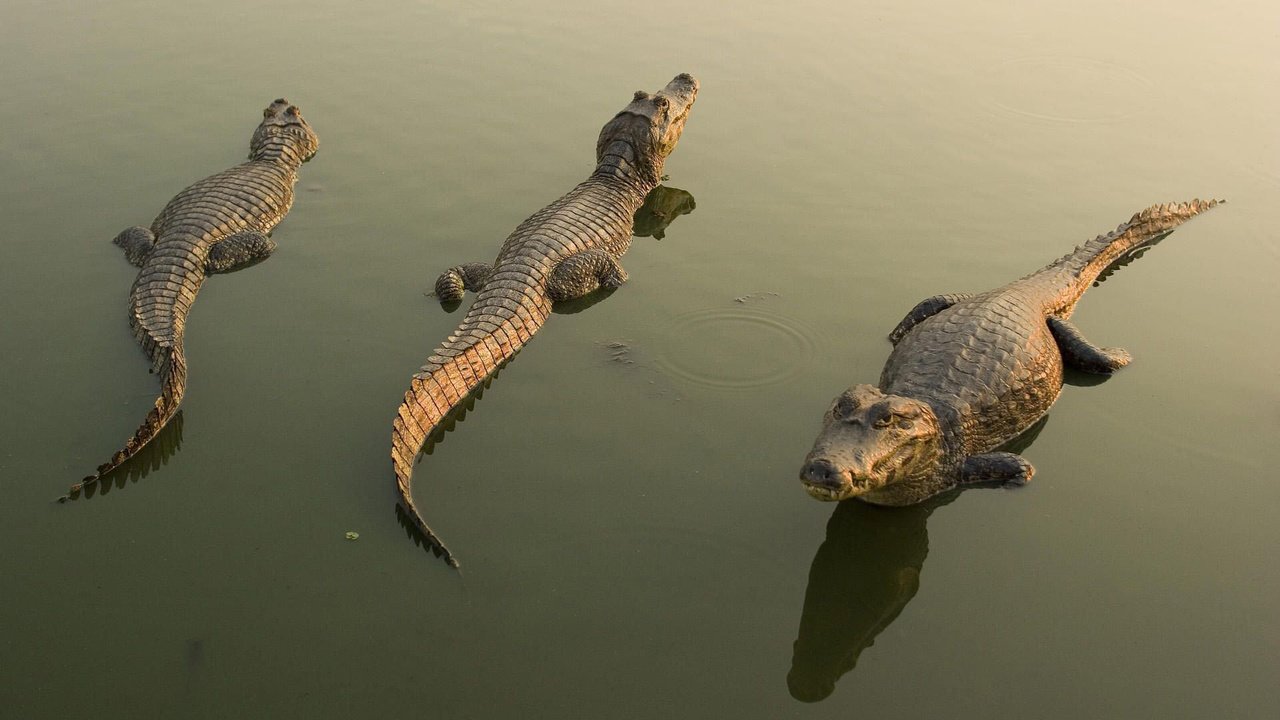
[821, 472]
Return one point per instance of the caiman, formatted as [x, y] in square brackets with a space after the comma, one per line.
[968, 373]
[217, 225]
[564, 251]
[864, 574]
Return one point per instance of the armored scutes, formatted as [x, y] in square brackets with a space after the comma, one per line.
[969, 373]
[564, 251]
[217, 225]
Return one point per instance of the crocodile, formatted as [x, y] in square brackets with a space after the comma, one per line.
[564, 251]
[969, 372]
[865, 573]
[218, 225]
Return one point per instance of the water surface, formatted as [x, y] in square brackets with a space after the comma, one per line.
[634, 539]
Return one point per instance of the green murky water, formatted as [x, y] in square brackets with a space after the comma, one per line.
[623, 498]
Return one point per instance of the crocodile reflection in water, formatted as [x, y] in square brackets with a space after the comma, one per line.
[152, 457]
[864, 574]
[661, 208]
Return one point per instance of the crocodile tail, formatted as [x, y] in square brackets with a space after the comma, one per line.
[494, 329]
[1090, 261]
[170, 363]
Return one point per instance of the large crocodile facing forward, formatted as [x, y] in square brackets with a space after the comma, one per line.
[864, 574]
[969, 373]
[217, 225]
[564, 251]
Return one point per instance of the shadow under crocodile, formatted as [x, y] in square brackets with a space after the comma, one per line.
[863, 575]
[661, 208]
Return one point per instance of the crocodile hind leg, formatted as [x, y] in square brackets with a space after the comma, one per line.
[1079, 353]
[1005, 468]
[136, 243]
[239, 251]
[460, 278]
[924, 310]
[585, 272]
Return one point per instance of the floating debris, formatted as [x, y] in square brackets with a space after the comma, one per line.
[618, 351]
[754, 297]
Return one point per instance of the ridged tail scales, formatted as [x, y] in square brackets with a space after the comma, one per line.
[500, 322]
[1145, 228]
[170, 363]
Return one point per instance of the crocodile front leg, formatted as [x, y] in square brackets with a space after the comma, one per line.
[1079, 353]
[453, 282]
[239, 251]
[583, 273]
[924, 310]
[1005, 468]
[137, 243]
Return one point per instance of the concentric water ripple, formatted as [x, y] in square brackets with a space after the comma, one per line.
[735, 347]
[1067, 89]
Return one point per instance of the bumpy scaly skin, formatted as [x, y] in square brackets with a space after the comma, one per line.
[969, 373]
[866, 571]
[567, 249]
[217, 225]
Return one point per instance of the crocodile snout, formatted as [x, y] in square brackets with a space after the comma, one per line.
[683, 88]
[822, 473]
[824, 480]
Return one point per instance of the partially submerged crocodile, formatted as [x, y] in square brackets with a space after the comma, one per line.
[217, 225]
[564, 251]
[969, 373]
[864, 574]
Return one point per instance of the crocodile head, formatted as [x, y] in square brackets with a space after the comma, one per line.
[648, 128]
[870, 440]
[283, 133]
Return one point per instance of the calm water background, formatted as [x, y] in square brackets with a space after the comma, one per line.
[634, 540]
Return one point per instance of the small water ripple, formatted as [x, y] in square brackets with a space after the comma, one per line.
[743, 346]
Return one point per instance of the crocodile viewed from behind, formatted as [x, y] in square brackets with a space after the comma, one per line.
[217, 225]
[564, 251]
[969, 373]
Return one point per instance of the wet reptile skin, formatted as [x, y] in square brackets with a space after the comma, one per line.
[564, 251]
[969, 373]
[219, 224]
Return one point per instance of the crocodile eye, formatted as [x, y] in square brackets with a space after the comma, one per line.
[266, 113]
[882, 422]
[662, 102]
[905, 423]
